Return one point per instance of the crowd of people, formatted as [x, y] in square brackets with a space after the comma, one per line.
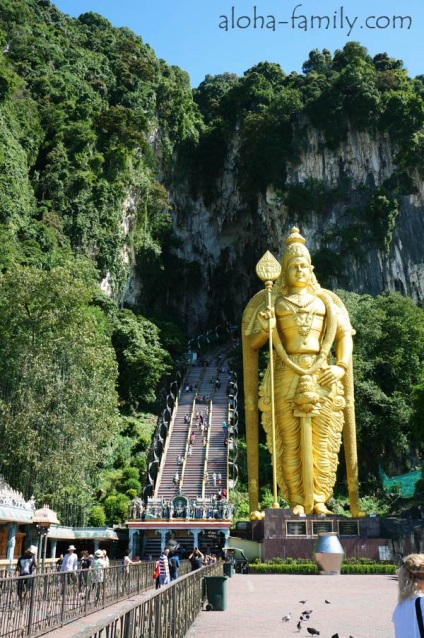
[86, 572]
[168, 564]
[166, 568]
[200, 425]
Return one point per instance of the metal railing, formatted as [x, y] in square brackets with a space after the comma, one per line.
[34, 605]
[168, 613]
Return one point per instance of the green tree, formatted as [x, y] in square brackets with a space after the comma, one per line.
[141, 359]
[97, 516]
[381, 212]
[318, 61]
[208, 95]
[388, 364]
[58, 408]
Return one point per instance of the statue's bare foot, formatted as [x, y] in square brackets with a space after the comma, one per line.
[257, 516]
[298, 509]
[355, 509]
[319, 508]
[357, 513]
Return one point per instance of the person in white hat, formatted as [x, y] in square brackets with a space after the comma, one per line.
[98, 574]
[70, 560]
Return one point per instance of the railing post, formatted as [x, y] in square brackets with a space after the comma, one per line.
[31, 606]
[104, 588]
[63, 575]
[158, 610]
[175, 611]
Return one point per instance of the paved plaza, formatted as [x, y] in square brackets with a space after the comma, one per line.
[360, 606]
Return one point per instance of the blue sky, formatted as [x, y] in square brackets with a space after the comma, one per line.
[213, 36]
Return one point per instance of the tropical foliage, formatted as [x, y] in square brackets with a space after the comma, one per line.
[94, 130]
[79, 194]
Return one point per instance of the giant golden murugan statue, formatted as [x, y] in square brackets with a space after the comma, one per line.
[312, 399]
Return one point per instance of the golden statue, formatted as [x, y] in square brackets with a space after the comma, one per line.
[312, 399]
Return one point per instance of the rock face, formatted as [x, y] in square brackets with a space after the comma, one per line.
[220, 243]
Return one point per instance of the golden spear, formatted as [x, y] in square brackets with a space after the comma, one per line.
[268, 270]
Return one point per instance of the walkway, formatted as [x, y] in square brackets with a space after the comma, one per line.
[88, 625]
[360, 607]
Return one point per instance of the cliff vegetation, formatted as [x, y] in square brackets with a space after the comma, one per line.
[133, 211]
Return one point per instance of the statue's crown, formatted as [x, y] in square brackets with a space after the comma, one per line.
[295, 248]
[295, 237]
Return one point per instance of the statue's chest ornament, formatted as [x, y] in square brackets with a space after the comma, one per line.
[303, 315]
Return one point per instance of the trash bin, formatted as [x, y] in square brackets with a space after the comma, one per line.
[228, 569]
[216, 591]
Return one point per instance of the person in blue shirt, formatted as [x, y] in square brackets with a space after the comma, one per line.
[174, 565]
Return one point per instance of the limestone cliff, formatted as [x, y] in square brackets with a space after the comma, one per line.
[220, 242]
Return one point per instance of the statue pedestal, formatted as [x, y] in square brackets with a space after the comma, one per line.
[288, 536]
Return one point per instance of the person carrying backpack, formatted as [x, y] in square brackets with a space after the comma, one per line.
[24, 567]
[174, 565]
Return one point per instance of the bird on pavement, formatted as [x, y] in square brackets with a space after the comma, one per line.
[287, 617]
[302, 602]
[328, 602]
[312, 631]
[335, 636]
[299, 625]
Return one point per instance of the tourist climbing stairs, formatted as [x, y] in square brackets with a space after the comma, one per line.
[178, 439]
[203, 469]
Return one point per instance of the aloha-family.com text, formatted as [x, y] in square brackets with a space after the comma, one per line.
[298, 19]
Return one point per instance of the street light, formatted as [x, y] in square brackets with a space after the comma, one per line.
[43, 519]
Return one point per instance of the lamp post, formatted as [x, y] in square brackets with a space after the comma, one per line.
[43, 519]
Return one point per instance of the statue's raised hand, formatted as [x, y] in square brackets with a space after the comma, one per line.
[266, 318]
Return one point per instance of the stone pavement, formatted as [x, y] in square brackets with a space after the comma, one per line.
[360, 607]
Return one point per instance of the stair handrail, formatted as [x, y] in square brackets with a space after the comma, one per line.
[205, 463]
[166, 448]
[233, 429]
[185, 459]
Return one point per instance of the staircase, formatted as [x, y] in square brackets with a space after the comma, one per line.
[207, 457]
[152, 547]
[217, 450]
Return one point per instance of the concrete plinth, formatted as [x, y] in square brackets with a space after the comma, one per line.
[288, 536]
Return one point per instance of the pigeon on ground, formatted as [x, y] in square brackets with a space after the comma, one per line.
[328, 602]
[299, 625]
[312, 631]
[335, 636]
[287, 617]
[302, 602]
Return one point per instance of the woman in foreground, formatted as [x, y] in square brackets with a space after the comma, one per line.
[408, 614]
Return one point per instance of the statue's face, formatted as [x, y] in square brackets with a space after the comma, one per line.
[298, 273]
